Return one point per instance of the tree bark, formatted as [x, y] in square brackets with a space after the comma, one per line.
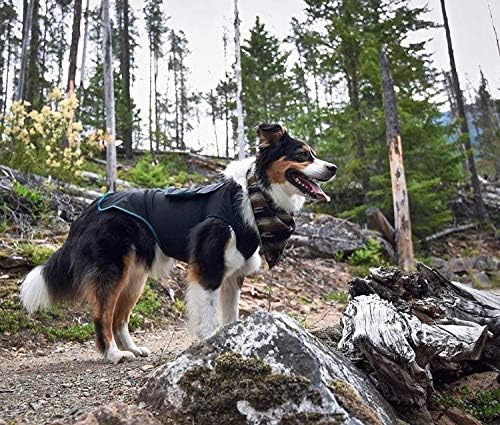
[377, 221]
[27, 18]
[84, 50]
[480, 209]
[239, 86]
[109, 98]
[125, 70]
[401, 206]
[75, 38]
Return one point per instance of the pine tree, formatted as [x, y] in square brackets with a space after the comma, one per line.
[345, 37]
[489, 135]
[267, 91]
[156, 29]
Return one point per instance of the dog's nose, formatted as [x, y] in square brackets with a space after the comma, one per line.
[332, 168]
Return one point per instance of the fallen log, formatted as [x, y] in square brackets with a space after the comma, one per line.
[449, 231]
[377, 221]
[406, 329]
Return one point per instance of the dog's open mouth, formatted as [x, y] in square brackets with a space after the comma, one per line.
[307, 185]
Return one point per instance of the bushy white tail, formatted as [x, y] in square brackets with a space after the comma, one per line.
[34, 293]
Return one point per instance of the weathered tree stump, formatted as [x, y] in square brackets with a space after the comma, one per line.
[408, 328]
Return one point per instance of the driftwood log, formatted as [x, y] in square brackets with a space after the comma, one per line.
[409, 329]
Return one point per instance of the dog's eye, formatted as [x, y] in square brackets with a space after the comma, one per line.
[304, 154]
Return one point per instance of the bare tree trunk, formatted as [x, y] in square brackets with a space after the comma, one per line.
[24, 50]
[239, 86]
[401, 206]
[150, 110]
[125, 70]
[109, 98]
[75, 38]
[155, 91]
[494, 29]
[84, 51]
[480, 210]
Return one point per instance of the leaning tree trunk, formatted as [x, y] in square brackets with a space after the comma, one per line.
[402, 222]
[480, 209]
[109, 98]
[239, 86]
[75, 38]
[411, 329]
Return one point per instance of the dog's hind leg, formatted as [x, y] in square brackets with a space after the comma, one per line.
[107, 292]
[127, 299]
[229, 296]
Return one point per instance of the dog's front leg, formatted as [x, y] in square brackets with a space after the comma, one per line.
[202, 309]
[229, 297]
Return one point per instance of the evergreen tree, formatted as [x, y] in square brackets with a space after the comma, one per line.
[489, 130]
[267, 91]
[156, 29]
[345, 37]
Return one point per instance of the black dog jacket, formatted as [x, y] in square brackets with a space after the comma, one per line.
[171, 214]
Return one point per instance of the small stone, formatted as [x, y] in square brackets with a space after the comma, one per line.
[460, 417]
[147, 367]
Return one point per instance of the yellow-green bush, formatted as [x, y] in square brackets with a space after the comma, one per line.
[48, 141]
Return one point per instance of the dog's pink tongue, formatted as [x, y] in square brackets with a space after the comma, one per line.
[318, 192]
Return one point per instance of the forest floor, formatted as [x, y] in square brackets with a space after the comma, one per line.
[50, 370]
[45, 380]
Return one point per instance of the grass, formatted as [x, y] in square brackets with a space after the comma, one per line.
[54, 324]
[339, 297]
[482, 404]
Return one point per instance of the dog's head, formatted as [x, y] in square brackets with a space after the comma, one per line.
[289, 167]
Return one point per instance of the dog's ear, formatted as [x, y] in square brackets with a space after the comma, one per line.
[269, 134]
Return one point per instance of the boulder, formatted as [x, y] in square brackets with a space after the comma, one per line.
[265, 369]
[321, 235]
[117, 413]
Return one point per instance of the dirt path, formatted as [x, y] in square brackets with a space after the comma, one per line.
[67, 379]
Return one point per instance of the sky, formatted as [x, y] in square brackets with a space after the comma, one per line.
[203, 23]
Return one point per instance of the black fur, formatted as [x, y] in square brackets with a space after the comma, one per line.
[95, 250]
[208, 241]
[288, 147]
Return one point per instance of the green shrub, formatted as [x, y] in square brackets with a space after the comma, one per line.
[363, 259]
[171, 171]
[36, 254]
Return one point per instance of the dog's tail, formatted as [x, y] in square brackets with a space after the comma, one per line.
[47, 283]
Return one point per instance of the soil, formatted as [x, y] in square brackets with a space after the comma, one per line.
[44, 381]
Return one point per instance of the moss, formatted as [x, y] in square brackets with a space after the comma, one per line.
[36, 254]
[212, 394]
[350, 400]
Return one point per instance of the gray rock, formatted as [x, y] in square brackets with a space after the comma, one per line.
[321, 235]
[265, 369]
[439, 263]
[481, 280]
[485, 263]
[459, 265]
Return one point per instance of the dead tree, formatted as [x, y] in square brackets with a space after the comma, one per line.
[413, 329]
[24, 50]
[239, 86]
[464, 127]
[109, 98]
[401, 206]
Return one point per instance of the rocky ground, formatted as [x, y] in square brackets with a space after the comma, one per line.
[50, 370]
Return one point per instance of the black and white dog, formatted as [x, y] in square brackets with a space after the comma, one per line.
[221, 230]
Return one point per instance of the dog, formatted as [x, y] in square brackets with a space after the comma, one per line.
[220, 230]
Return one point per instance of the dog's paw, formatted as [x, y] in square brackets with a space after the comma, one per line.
[140, 351]
[118, 356]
